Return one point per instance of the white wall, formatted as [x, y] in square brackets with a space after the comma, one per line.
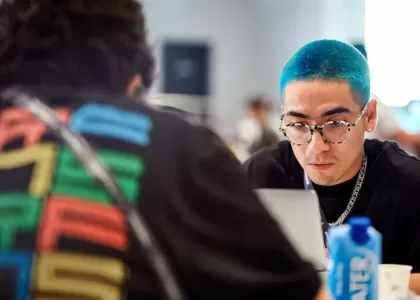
[392, 30]
[251, 39]
[344, 20]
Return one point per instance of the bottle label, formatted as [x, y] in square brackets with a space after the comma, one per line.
[363, 276]
[354, 278]
[360, 278]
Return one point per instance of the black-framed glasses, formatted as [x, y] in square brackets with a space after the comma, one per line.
[333, 132]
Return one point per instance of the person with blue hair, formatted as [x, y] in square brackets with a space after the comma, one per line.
[327, 110]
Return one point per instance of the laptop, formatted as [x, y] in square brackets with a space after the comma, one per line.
[297, 211]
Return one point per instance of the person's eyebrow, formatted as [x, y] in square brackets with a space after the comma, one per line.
[292, 113]
[334, 111]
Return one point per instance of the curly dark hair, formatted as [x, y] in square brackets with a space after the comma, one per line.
[99, 44]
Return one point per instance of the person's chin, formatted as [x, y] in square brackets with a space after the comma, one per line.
[321, 175]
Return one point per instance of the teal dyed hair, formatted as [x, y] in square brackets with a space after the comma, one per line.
[329, 60]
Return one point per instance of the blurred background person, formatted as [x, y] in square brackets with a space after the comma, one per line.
[255, 132]
[388, 128]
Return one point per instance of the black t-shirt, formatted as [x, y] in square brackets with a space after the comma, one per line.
[390, 194]
[62, 238]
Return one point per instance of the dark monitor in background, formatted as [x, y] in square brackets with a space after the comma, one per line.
[186, 68]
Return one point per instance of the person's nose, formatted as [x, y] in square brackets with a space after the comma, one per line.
[318, 144]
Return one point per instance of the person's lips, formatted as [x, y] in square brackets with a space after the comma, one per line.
[320, 166]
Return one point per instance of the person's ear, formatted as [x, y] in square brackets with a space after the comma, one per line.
[134, 85]
[371, 116]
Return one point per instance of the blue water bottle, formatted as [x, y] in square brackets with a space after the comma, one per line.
[355, 254]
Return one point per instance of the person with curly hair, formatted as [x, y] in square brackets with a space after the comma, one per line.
[159, 210]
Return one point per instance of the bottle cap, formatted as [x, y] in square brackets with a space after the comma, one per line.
[359, 229]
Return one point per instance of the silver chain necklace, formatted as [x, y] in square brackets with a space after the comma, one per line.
[354, 195]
